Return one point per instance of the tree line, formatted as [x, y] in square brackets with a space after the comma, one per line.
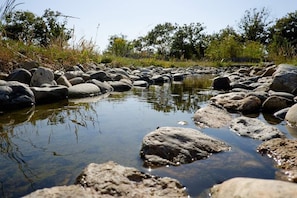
[256, 37]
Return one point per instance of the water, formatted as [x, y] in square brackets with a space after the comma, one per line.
[50, 145]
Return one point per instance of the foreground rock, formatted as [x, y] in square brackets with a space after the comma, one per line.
[113, 180]
[175, 146]
[254, 128]
[83, 90]
[291, 116]
[254, 188]
[211, 117]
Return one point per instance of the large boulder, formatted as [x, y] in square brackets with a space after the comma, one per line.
[83, 90]
[42, 76]
[253, 188]
[284, 78]
[221, 83]
[175, 146]
[111, 179]
[275, 103]
[254, 128]
[49, 94]
[211, 116]
[15, 95]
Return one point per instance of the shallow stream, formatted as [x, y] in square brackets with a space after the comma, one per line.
[50, 145]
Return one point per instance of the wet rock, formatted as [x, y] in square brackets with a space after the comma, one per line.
[221, 83]
[284, 78]
[15, 95]
[103, 86]
[83, 90]
[281, 114]
[42, 76]
[49, 94]
[113, 180]
[283, 151]
[121, 86]
[254, 128]
[275, 103]
[175, 146]
[254, 188]
[20, 75]
[291, 116]
[211, 117]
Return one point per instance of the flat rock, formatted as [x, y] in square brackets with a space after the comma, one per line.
[83, 90]
[175, 146]
[283, 151]
[254, 128]
[254, 188]
[113, 180]
[49, 94]
[211, 117]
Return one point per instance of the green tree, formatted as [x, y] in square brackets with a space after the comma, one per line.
[188, 42]
[254, 25]
[31, 29]
[119, 46]
[284, 36]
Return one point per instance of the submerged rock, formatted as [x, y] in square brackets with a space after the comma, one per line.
[175, 146]
[211, 116]
[254, 128]
[254, 188]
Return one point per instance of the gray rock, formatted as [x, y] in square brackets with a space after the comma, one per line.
[113, 180]
[254, 128]
[49, 94]
[76, 80]
[211, 116]
[178, 77]
[275, 103]
[120, 86]
[72, 74]
[281, 114]
[253, 188]
[140, 83]
[284, 78]
[15, 95]
[291, 116]
[282, 150]
[20, 75]
[62, 80]
[103, 86]
[100, 75]
[175, 146]
[42, 76]
[221, 83]
[83, 90]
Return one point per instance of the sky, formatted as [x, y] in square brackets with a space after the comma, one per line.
[97, 20]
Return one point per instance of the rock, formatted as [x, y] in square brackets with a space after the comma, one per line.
[178, 77]
[20, 75]
[113, 180]
[254, 128]
[42, 76]
[120, 86]
[211, 116]
[283, 151]
[281, 114]
[275, 103]
[253, 188]
[140, 83]
[100, 75]
[103, 86]
[62, 80]
[28, 65]
[284, 78]
[221, 83]
[74, 191]
[83, 90]
[49, 94]
[175, 146]
[291, 116]
[250, 104]
[73, 74]
[15, 95]
[76, 80]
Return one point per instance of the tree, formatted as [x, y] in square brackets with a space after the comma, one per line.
[284, 36]
[119, 46]
[254, 25]
[31, 29]
[188, 42]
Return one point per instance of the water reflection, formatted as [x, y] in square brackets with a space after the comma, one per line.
[49, 145]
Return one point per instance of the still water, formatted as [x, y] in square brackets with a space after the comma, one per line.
[50, 145]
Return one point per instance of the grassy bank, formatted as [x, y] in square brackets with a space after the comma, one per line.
[55, 57]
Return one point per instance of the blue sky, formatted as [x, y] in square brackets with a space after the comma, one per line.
[99, 19]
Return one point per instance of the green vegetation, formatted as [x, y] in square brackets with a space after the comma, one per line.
[46, 39]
